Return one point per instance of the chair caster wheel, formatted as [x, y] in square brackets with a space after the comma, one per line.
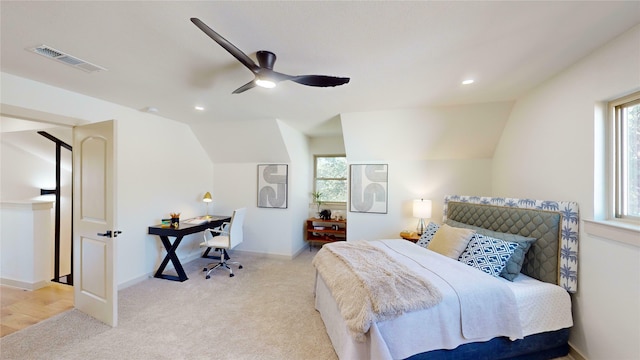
[240, 267]
[205, 269]
[231, 275]
[208, 277]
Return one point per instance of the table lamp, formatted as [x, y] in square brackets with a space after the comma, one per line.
[207, 199]
[421, 210]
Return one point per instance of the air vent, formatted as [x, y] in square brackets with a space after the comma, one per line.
[67, 59]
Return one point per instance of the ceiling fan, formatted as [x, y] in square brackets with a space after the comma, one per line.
[263, 71]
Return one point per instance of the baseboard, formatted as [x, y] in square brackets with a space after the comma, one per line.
[198, 255]
[304, 248]
[134, 281]
[268, 255]
[24, 285]
[575, 354]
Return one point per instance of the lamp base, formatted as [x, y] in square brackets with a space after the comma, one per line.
[421, 227]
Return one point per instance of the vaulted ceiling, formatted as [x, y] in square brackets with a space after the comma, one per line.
[398, 54]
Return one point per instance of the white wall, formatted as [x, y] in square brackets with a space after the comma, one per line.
[298, 148]
[26, 240]
[431, 152]
[27, 169]
[267, 231]
[162, 168]
[551, 148]
[258, 140]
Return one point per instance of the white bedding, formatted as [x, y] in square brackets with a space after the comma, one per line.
[541, 307]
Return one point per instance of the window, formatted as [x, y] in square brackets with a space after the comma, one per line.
[626, 127]
[331, 178]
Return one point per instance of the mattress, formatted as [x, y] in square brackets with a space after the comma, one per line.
[541, 307]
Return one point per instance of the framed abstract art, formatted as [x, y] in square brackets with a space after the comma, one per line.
[368, 188]
[272, 186]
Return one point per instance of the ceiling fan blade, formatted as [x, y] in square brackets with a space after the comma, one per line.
[237, 53]
[319, 80]
[251, 84]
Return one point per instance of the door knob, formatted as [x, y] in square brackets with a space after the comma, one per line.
[108, 233]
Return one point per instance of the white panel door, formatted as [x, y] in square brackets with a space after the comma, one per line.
[94, 234]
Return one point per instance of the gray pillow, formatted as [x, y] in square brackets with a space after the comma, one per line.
[514, 265]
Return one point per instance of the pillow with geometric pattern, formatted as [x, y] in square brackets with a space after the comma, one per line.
[427, 235]
[514, 265]
[487, 254]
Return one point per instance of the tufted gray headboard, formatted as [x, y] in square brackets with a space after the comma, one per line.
[542, 259]
[504, 214]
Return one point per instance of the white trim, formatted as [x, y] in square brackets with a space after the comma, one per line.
[575, 354]
[24, 285]
[614, 230]
[27, 205]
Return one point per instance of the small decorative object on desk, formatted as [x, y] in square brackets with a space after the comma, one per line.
[175, 220]
[165, 223]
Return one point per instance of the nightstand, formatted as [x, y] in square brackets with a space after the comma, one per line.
[411, 236]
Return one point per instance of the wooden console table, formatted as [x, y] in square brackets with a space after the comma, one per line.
[325, 231]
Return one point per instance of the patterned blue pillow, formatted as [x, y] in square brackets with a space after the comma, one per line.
[427, 235]
[488, 254]
[514, 265]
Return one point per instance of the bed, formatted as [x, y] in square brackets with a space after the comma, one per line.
[448, 309]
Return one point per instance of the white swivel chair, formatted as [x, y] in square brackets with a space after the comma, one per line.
[224, 238]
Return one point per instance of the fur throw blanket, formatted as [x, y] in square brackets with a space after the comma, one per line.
[370, 286]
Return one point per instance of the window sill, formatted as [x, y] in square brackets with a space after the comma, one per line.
[614, 230]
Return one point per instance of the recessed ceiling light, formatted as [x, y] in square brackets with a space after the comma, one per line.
[150, 109]
[467, 82]
[199, 108]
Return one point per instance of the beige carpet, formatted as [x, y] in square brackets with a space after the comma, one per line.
[265, 312]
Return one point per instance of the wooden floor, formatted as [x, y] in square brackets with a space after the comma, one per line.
[22, 308]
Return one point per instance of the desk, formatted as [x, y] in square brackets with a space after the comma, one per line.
[182, 230]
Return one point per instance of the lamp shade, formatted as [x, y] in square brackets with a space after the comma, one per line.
[207, 197]
[422, 209]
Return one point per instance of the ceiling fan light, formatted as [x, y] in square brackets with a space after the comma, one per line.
[265, 83]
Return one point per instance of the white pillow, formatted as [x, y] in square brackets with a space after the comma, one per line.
[450, 241]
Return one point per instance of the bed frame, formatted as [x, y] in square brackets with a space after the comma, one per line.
[543, 262]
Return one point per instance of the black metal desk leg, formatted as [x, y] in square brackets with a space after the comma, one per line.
[171, 255]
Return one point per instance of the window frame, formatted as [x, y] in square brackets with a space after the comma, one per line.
[618, 188]
[315, 177]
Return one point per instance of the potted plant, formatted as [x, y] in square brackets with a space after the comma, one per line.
[316, 199]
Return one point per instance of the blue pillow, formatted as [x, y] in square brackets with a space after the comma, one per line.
[427, 235]
[514, 265]
[488, 254]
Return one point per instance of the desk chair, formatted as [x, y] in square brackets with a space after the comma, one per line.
[224, 238]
